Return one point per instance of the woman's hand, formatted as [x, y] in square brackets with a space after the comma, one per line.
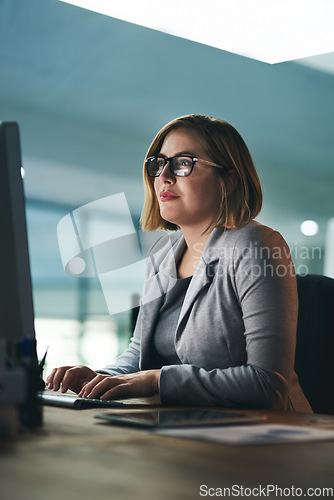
[69, 377]
[139, 384]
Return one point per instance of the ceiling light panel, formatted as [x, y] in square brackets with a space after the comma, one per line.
[270, 31]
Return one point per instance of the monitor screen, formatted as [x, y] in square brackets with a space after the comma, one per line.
[16, 302]
[20, 372]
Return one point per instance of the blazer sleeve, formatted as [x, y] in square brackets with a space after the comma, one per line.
[267, 294]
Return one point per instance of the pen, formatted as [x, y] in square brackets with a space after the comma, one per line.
[42, 362]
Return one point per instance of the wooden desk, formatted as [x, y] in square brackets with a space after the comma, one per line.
[74, 457]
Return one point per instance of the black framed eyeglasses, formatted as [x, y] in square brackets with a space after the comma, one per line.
[180, 165]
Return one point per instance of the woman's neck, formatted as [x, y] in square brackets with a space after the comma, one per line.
[195, 242]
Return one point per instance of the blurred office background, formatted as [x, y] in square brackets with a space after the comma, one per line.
[90, 92]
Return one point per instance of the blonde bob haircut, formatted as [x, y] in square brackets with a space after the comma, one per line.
[224, 146]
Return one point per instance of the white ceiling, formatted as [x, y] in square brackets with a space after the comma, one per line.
[322, 62]
[90, 92]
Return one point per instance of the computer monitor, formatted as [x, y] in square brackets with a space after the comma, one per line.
[20, 373]
[16, 302]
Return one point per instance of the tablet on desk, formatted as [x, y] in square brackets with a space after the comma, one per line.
[179, 418]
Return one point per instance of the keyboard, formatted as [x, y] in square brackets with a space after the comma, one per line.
[73, 401]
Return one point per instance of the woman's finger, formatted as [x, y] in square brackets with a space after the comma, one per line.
[101, 386]
[87, 388]
[72, 379]
[58, 377]
[49, 378]
[122, 389]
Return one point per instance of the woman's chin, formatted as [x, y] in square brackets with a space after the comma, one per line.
[168, 216]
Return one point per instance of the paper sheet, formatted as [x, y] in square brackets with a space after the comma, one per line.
[252, 434]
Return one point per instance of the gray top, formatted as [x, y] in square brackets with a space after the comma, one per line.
[236, 332]
[165, 327]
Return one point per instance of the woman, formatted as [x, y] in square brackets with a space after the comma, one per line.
[218, 316]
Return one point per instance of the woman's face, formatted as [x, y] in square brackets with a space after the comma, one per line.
[193, 201]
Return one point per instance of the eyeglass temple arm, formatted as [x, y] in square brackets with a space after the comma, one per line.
[210, 163]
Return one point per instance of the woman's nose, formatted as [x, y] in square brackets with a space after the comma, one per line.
[166, 174]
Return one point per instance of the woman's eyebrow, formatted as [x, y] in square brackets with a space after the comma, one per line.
[187, 153]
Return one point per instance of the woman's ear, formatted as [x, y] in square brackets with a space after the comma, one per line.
[231, 180]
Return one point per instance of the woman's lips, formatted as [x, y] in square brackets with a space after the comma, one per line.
[168, 196]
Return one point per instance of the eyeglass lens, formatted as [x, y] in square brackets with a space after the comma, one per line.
[181, 166]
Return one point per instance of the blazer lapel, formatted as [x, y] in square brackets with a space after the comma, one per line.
[156, 286]
[199, 280]
[203, 276]
[163, 279]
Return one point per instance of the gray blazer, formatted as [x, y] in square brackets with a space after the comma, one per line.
[236, 332]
